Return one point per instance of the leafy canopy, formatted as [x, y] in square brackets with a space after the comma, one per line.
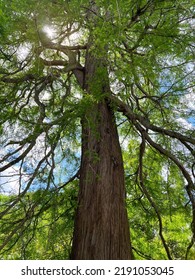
[148, 49]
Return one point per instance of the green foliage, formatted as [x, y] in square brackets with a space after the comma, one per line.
[46, 222]
[146, 50]
[165, 186]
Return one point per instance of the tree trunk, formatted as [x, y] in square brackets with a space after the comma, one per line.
[101, 224]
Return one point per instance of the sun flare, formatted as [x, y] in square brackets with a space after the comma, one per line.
[50, 31]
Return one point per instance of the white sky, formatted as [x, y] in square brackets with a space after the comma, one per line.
[189, 100]
[9, 181]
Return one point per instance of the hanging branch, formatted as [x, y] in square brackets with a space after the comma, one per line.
[145, 191]
[30, 213]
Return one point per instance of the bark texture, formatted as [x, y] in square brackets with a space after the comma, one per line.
[101, 223]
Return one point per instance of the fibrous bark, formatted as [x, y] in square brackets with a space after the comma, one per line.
[101, 224]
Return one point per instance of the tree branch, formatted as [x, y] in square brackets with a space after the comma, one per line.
[25, 78]
[145, 191]
[125, 109]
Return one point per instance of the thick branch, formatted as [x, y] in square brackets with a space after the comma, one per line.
[72, 65]
[18, 80]
[63, 48]
[146, 123]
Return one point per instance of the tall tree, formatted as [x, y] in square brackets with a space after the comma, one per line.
[77, 76]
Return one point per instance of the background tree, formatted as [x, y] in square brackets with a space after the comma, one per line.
[84, 83]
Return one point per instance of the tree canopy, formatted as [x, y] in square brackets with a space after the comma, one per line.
[145, 49]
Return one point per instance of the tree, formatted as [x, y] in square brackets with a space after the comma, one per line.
[76, 78]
